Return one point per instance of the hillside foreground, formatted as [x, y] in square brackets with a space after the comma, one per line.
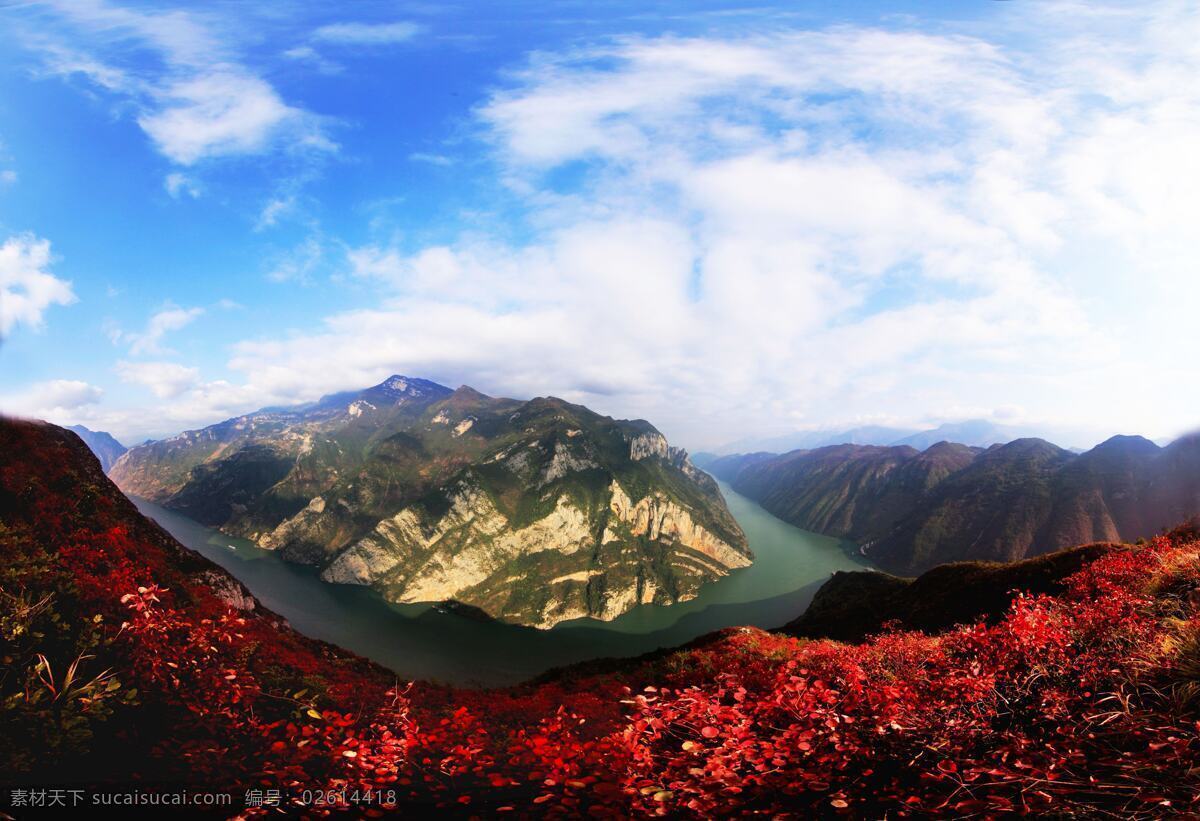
[132, 662]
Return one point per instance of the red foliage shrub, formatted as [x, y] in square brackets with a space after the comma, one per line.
[1069, 704]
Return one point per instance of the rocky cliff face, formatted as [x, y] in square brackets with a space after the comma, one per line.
[647, 445]
[532, 512]
[475, 554]
[911, 511]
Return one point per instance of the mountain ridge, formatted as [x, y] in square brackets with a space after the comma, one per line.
[107, 449]
[532, 511]
[911, 510]
[130, 659]
[972, 432]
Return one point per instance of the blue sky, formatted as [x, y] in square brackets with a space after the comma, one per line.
[730, 220]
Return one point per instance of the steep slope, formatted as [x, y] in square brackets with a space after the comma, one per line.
[728, 467]
[533, 512]
[860, 492]
[1173, 486]
[911, 511]
[106, 448]
[118, 641]
[134, 666]
[992, 509]
[1100, 493]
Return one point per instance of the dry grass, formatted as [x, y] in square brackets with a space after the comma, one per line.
[1182, 646]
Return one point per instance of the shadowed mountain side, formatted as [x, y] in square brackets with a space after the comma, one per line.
[107, 449]
[912, 510]
[855, 604]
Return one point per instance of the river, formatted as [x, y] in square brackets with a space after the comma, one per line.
[425, 642]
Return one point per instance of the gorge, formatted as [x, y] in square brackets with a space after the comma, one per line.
[454, 645]
[531, 513]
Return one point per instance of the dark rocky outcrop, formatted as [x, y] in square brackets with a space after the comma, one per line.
[853, 605]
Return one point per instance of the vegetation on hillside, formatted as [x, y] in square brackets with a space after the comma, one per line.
[912, 510]
[1083, 702]
[418, 490]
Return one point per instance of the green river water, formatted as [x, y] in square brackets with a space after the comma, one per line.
[425, 642]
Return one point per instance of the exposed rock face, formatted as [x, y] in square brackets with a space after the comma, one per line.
[229, 590]
[461, 555]
[657, 517]
[564, 462]
[647, 445]
[415, 558]
[531, 512]
[914, 510]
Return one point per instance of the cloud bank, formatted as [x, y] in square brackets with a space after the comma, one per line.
[803, 228]
[194, 95]
[760, 232]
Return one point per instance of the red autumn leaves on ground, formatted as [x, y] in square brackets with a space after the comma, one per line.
[1082, 703]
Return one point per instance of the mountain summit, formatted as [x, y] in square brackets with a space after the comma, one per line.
[532, 512]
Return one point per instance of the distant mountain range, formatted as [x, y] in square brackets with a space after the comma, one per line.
[106, 448]
[974, 432]
[912, 509]
[531, 512]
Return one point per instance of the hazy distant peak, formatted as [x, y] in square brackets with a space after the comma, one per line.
[1127, 444]
[1028, 446]
[467, 392]
[411, 386]
[975, 432]
[101, 443]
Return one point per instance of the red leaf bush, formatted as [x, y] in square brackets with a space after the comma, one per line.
[1083, 703]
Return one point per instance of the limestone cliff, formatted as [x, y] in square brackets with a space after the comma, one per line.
[474, 554]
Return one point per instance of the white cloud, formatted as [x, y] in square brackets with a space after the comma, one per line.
[431, 159]
[367, 34]
[53, 400]
[299, 263]
[27, 288]
[808, 226]
[166, 380]
[69, 402]
[178, 185]
[223, 113]
[8, 177]
[149, 340]
[312, 57]
[799, 228]
[197, 100]
[275, 208]
[358, 35]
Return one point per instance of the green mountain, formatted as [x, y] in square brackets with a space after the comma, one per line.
[532, 512]
[858, 492]
[107, 449]
[912, 510]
